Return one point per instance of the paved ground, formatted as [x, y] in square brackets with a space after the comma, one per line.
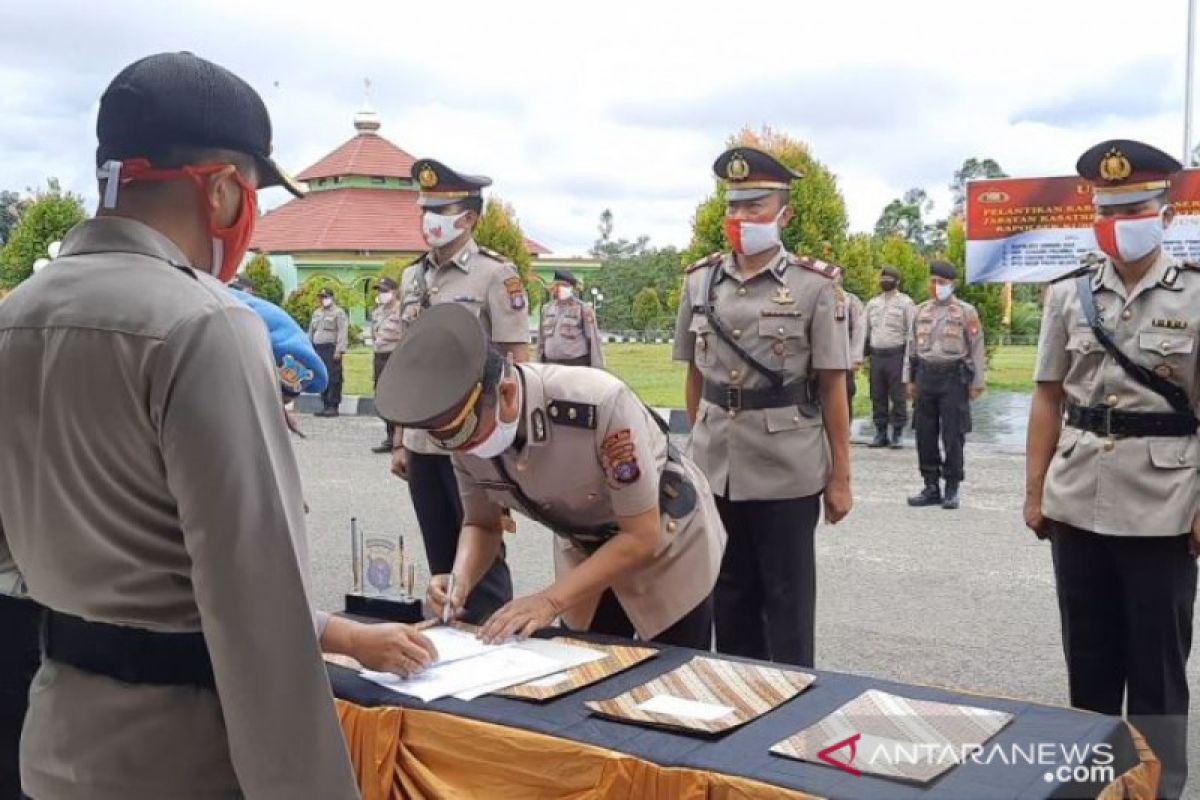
[962, 599]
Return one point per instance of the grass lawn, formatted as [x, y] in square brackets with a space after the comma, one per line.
[648, 368]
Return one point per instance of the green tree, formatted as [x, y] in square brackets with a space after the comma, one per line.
[972, 169]
[988, 298]
[647, 309]
[907, 217]
[46, 218]
[819, 225]
[858, 266]
[11, 205]
[499, 230]
[621, 279]
[265, 283]
[607, 247]
[301, 303]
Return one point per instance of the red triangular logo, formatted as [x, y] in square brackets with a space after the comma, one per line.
[852, 742]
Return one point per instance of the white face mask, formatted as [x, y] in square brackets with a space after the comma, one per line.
[383, 298]
[1127, 239]
[942, 291]
[439, 230]
[326, 301]
[502, 436]
[750, 238]
[566, 293]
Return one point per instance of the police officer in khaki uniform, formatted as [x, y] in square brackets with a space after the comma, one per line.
[568, 334]
[456, 270]
[857, 329]
[329, 331]
[889, 319]
[639, 539]
[944, 366]
[161, 524]
[764, 335]
[1116, 489]
[386, 329]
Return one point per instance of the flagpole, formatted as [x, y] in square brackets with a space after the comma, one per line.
[1187, 83]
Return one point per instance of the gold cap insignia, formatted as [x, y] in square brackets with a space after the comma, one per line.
[737, 168]
[427, 177]
[1115, 166]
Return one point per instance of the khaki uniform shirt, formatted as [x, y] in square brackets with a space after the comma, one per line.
[592, 454]
[943, 333]
[149, 481]
[386, 326]
[856, 326]
[482, 281]
[568, 332]
[330, 326]
[1124, 486]
[786, 316]
[889, 319]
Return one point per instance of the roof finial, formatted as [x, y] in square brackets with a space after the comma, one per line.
[366, 120]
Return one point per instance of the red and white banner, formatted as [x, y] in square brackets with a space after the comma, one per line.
[1031, 230]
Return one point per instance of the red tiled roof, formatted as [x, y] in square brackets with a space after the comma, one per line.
[365, 154]
[343, 219]
[536, 248]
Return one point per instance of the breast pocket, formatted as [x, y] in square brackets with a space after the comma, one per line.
[572, 328]
[787, 339]
[705, 340]
[1172, 349]
[893, 319]
[924, 335]
[329, 324]
[548, 324]
[953, 340]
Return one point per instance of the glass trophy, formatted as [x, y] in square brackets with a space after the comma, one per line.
[382, 578]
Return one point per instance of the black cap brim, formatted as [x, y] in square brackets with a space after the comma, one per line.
[271, 174]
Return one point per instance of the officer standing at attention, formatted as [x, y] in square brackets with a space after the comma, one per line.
[569, 335]
[857, 330]
[330, 335]
[386, 328]
[889, 319]
[944, 366]
[639, 539]
[765, 338]
[159, 523]
[456, 270]
[1115, 490]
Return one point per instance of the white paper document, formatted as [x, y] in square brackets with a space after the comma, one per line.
[455, 645]
[565, 656]
[682, 707]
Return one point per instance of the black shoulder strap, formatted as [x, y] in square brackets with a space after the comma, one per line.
[1172, 393]
[710, 313]
[420, 282]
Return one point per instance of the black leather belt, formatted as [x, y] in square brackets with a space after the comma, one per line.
[886, 351]
[1108, 421]
[127, 654]
[735, 398]
[939, 366]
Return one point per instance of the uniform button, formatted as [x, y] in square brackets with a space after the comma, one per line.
[671, 526]
[1111, 399]
[434, 290]
[1182, 459]
[741, 291]
[1165, 345]
[733, 374]
[737, 333]
[1126, 314]
[780, 329]
[1109, 445]
[796, 418]
[521, 466]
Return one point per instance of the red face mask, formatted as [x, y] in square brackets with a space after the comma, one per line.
[229, 244]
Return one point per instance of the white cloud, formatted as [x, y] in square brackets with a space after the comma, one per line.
[574, 108]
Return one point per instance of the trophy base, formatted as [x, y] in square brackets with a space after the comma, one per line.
[393, 609]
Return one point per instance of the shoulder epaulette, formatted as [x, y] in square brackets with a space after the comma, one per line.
[711, 258]
[573, 415]
[490, 253]
[822, 268]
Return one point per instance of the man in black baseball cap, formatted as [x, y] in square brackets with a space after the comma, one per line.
[160, 523]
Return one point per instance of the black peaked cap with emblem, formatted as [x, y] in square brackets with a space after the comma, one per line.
[435, 369]
[442, 186]
[750, 173]
[386, 285]
[891, 272]
[943, 269]
[180, 100]
[562, 276]
[1124, 171]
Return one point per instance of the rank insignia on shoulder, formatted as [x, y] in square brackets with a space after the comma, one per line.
[620, 457]
[711, 258]
[1170, 324]
[516, 293]
[830, 271]
[490, 253]
[572, 415]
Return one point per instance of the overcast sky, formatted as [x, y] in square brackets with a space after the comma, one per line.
[575, 107]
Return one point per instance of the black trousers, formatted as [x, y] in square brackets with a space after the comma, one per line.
[435, 497]
[765, 602]
[1126, 604]
[942, 411]
[378, 364]
[20, 657]
[887, 369]
[332, 396]
[694, 629]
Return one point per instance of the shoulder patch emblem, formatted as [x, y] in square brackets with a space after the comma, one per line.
[620, 457]
[516, 293]
[293, 375]
[711, 258]
[572, 415]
